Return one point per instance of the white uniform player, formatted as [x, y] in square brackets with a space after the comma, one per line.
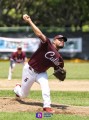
[17, 57]
[46, 56]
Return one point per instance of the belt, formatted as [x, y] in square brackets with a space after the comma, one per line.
[33, 69]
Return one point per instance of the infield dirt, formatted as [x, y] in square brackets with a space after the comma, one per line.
[9, 104]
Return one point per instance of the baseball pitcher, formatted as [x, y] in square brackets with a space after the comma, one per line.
[46, 56]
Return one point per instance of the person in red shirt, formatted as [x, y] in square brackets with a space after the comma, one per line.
[17, 57]
[46, 56]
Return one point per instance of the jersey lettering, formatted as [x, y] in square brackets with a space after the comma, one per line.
[51, 56]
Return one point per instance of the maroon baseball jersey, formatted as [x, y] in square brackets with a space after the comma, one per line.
[19, 58]
[45, 57]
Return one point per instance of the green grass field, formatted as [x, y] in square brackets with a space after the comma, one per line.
[32, 116]
[74, 71]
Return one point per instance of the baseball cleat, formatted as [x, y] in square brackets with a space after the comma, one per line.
[48, 109]
[17, 96]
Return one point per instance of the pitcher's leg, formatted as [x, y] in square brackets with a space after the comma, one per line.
[42, 79]
[27, 80]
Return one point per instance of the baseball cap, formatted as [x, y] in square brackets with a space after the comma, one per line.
[61, 36]
[19, 47]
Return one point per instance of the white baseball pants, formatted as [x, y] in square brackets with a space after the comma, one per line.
[10, 71]
[28, 78]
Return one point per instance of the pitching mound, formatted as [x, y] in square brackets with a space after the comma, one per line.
[29, 105]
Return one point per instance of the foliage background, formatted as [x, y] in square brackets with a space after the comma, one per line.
[57, 13]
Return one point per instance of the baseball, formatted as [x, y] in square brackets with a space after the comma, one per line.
[25, 17]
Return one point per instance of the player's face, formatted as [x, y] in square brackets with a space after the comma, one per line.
[19, 50]
[59, 43]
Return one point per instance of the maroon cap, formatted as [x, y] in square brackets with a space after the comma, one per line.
[60, 36]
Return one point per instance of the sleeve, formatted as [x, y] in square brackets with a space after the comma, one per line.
[47, 40]
[12, 56]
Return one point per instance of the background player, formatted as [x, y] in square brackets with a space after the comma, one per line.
[17, 57]
[46, 56]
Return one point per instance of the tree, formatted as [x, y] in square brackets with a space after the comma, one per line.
[60, 13]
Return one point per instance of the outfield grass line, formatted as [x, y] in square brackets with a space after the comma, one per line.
[74, 70]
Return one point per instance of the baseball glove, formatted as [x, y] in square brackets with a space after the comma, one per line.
[60, 73]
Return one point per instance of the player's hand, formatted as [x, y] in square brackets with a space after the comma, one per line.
[26, 18]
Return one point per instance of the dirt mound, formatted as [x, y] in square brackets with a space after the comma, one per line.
[29, 105]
